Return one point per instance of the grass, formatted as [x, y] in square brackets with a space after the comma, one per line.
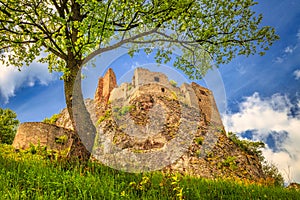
[27, 176]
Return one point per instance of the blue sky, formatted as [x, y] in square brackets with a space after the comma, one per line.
[259, 97]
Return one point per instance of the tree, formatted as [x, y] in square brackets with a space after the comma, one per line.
[70, 32]
[8, 126]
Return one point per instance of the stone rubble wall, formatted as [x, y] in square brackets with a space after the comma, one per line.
[43, 134]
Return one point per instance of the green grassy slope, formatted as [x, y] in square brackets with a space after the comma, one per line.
[27, 176]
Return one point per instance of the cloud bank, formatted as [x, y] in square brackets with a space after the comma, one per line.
[268, 120]
[11, 79]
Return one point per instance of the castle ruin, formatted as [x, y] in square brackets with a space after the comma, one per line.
[151, 94]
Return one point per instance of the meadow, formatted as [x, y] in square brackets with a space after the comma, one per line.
[36, 174]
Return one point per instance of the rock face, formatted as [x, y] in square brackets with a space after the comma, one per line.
[64, 118]
[39, 133]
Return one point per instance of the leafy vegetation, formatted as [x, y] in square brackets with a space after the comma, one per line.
[248, 146]
[69, 33]
[8, 125]
[173, 83]
[121, 111]
[271, 171]
[24, 175]
[254, 148]
[61, 139]
[106, 115]
[52, 119]
[199, 140]
[229, 162]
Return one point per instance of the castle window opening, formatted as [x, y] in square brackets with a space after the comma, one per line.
[156, 79]
[202, 92]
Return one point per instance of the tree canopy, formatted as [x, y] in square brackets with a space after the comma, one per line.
[66, 33]
[8, 125]
[204, 30]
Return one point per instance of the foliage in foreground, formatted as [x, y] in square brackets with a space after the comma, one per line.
[8, 125]
[27, 176]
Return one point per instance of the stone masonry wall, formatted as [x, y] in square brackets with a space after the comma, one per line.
[144, 76]
[208, 105]
[39, 133]
[105, 85]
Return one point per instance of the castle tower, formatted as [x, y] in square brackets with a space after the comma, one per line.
[105, 85]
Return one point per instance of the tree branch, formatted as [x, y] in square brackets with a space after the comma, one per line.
[118, 44]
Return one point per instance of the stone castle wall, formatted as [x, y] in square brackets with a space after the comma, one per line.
[144, 76]
[39, 133]
[207, 105]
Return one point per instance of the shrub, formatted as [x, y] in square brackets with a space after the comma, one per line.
[8, 125]
[173, 83]
[271, 172]
[104, 117]
[248, 146]
[52, 119]
[61, 139]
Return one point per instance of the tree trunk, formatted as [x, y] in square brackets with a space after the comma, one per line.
[84, 129]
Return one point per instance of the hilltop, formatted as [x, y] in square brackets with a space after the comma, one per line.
[153, 124]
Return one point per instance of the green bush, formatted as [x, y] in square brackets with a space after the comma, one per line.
[173, 83]
[106, 115]
[52, 119]
[271, 171]
[61, 139]
[8, 125]
[248, 146]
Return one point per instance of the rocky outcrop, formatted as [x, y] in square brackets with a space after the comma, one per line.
[148, 114]
[294, 186]
[64, 118]
[224, 160]
[43, 134]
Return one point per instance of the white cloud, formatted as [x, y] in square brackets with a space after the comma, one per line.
[279, 60]
[135, 65]
[297, 74]
[298, 34]
[11, 79]
[289, 49]
[265, 116]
